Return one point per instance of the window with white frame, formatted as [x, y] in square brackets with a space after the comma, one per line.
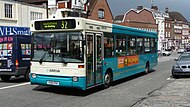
[8, 10]
[101, 14]
[35, 15]
[166, 34]
[169, 34]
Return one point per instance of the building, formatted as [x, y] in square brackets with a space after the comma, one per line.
[140, 18]
[177, 30]
[16, 16]
[94, 9]
[100, 10]
[146, 19]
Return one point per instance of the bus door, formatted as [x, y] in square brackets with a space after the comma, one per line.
[94, 59]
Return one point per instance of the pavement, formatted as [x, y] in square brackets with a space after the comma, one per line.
[174, 94]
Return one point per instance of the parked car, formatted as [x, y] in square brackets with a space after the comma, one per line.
[180, 50]
[188, 49]
[166, 53]
[182, 65]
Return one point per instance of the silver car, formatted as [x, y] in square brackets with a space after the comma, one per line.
[182, 65]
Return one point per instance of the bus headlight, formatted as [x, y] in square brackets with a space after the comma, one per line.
[75, 79]
[33, 75]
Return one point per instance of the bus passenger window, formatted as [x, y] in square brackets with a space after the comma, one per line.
[140, 46]
[147, 45]
[131, 46]
[120, 45]
[108, 45]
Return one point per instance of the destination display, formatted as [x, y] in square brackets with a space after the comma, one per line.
[55, 24]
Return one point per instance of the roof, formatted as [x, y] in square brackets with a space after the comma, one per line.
[155, 13]
[35, 1]
[119, 18]
[177, 16]
[92, 4]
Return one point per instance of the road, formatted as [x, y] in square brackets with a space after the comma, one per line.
[124, 93]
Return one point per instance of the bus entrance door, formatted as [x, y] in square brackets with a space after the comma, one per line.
[98, 58]
[94, 59]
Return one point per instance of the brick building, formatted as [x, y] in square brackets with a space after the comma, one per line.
[177, 30]
[100, 10]
[140, 18]
[94, 9]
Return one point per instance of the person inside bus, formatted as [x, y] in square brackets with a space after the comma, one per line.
[72, 48]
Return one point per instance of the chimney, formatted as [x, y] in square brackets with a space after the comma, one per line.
[154, 7]
[167, 10]
[139, 7]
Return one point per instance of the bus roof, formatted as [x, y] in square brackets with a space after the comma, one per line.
[93, 25]
[132, 31]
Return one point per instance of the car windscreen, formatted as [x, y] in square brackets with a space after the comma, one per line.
[184, 57]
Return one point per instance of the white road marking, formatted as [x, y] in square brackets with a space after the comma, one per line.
[168, 78]
[12, 86]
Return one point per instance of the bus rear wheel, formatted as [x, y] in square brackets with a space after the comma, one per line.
[5, 77]
[107, 79]
[147, 69]
[27, 75]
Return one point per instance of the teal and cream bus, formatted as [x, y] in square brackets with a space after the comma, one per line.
[83, 53]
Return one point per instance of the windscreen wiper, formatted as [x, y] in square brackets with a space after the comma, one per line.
[63, 60]
[41, 60]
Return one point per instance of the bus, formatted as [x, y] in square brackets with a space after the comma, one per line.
[82, 53]
[15, 51]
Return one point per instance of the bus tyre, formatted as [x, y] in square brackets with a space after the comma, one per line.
[27, 75]
[107, 79]
[5, 77]
[147, 69]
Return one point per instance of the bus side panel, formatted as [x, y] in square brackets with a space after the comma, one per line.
[125, 71]
[7, 55]
[152, 58]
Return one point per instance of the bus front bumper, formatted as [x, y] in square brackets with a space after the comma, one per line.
[71, 82]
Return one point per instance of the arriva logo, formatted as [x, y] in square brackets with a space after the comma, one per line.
[54, 70]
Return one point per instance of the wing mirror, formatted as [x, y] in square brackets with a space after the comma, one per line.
[175, 59]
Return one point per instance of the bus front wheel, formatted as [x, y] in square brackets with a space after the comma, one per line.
[107, 79]
[5, 77]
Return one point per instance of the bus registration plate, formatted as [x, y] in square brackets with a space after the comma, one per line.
[52, 83]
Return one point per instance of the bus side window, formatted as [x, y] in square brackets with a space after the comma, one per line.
[132, 45]
[120, 45]
[108, 45]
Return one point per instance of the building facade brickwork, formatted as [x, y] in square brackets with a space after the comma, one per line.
[144, 16]
[101, 5]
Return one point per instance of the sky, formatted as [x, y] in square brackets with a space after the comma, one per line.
[119, 7]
